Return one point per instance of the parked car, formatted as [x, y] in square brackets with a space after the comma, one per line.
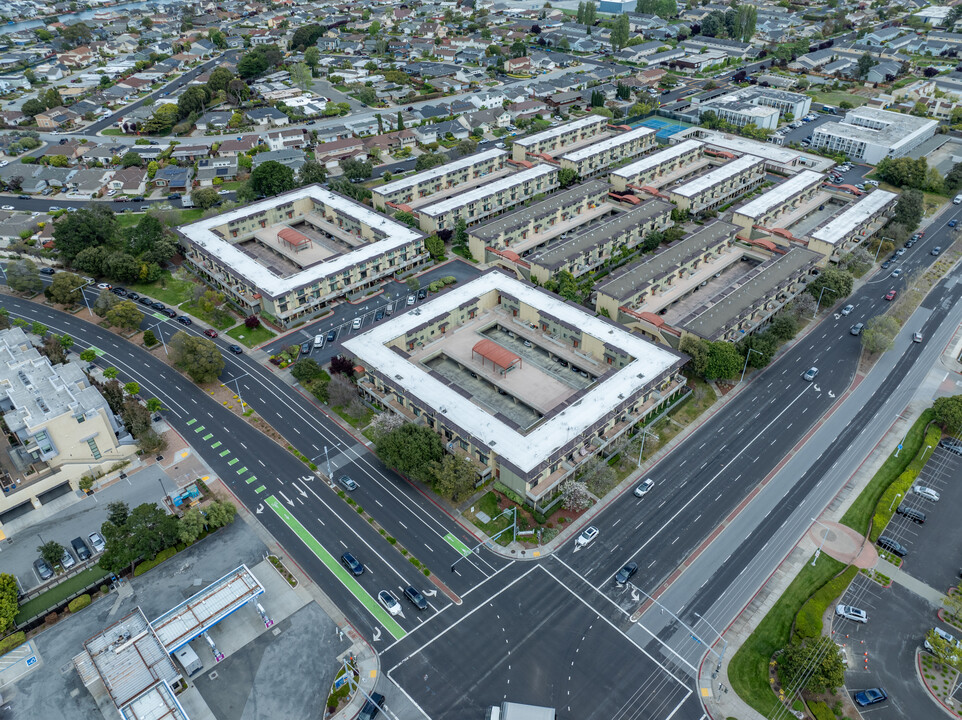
[43, 570]
[411, 299]
[173, 314]
[953, 446]
[67, 560]
[926, 492]
[306, 347]
[131, 295]
[97, 542]
[892, 545]
[870, 696]
[236, 349]
[356, 325]
[331, 335]
[851, 613]
[422, 293]
[372, 707]
[80, 547]
[184, 320]
[586, 536]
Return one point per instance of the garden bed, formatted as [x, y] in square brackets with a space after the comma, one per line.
[282, 570]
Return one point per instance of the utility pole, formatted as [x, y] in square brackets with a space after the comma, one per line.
[160, 334]
[824, 288]
[750, 351]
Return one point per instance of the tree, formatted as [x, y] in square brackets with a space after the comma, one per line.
[190, 526]
[52, 552]
[23, 276]
[429, 160]
[152, 168]
[575, 495]
[237, 91]
[205, 197]
[220, 513]
[52, 99]
[518, 49]
[8, 602]
[311, 172]
[697, 350]
[312, 57]
[724, 361]
[272, 178]
[197, 356]
[124, 315]
[111, 372]
[410, 449]
[88, 355]
[837, 283]
[620, 33]
[53, 349]
[65, 289]
[341, 365]
[945, 653]
[146, 531]
[219, 79]
[104, 302]
[908, 212]
[131, 159]
[466, 147]
[163, 120]
[953, 179]
[218, 38]
[59, 161]
[568, 177]
[460, 232]
[193, 100]
[305, 37]
[591, 13]
[302, 76]
[32, 107]
[356, 170]
[453, 477]
[820, 659]
[948, 415]
[435, 246]
[341, 391]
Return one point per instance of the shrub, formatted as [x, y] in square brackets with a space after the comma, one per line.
[104, 589]
[11, 641]
[808, 622]
[149, 338]
[79, 603]
[821, 711]
[158, 559]
[251, 322]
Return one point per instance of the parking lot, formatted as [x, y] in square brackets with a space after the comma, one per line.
[882, 652]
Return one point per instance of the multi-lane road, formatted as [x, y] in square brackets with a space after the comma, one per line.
[696, 486]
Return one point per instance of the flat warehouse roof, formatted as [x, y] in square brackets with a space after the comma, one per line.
[201, 234]
[658, 158]
[751, 147]
[558, 130]
[839, 227]
[439, 171]
[607, 144]
[525, 452]
[781, 193]
[482, 191]
[708, 180]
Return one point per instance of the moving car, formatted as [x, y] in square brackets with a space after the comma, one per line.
[953, 222]
[236, 349]
[416, 598]
[890, 295]
[372, 707]
[810, 374]
[347, 483]
[897, 273]
[936, 250]
[389, 602]
[851, 613]
[644, 488]
[926, 492]
[626, 573]
[210, 332]
[917, 337]
[847, 310]
[96, 541]
[352, 564]
[6, 207]
[857, 328]
[47, 271]
[44, 571]
[586, 536]
[870, 696]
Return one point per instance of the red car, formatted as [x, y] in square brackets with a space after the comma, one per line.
[210, 333]
[890, 295]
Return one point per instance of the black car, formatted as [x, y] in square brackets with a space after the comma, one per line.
[47, 271]
[331, 335]
[953, 446]
[157, 305]
[306, 348]
[236, 349]
[422, 293]
[892, 545]
[887, 264]
[626, 573]
[416, 598]
[372, 707]
[131, 295]
[144, 300]
[139, 198]
[352, 564]
[80, 547]
[174, 196]
[184, 320]
[169, 313]
[122, 292]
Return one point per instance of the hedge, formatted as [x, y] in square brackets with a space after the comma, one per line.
[12, 641]
[151, 564]
[902, 484]
[78, 603]
[808, 622]
[821, 710]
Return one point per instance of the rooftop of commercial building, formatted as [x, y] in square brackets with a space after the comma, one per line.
[558, 130]
[560, 253]
[780, 194]
[840, 227]
[744, 146]
[740, 106]
[625, 283]
[882, 127]
[720, 174]
[607, 144]
[524, 451]
[439, 171]
[656, 159]
[487, 190]
[201, 234]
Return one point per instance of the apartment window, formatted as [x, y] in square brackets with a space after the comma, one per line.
[80, 418]
[94, 450]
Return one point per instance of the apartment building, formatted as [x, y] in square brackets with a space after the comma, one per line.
[868, 134]
[786, 197]
[438, 179]
[554, 139]
[740, 113]
[292, 255]
[599, 156]
[527, 229]
[459, 364]
[587, 250]
[718, 186]
[59, 426]
[853, 224]
[489, 199]
[663, 163]
[754, 104]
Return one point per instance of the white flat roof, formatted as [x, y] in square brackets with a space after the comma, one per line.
[781, 194]
[584, 122]
[200, 233]
[482, 191]
[766, 150]
[843, 224]
[607, 144]
[720, 174]
[438, 172]
[656, 159]
[523, 451]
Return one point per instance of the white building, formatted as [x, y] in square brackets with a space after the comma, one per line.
[869, 135]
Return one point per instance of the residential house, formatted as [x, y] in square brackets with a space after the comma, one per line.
[208, 169]
[291, 158]
[174, 177]
[132, 180]
[339, 149]
[486, 120]
[213, 121]
[56, 117]
[189, 153]
[526, 110]
[294, 138]
[232, 148]
[89, 183]
[267, 116]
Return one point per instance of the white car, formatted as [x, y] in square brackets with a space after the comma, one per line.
[644, 488]
[97, 542]
[104, 286]
[851, 613]
[7, 207]
[411, 299]
[389, 602]
[111, 193]
[586, 536]
[223, 192]
[356, 324]
[926, 492]
[847, 310]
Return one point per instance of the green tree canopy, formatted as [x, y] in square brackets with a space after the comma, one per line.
[272, 178]
[356, 170]
[837, 283]
[124, 315]
[64, 289]
[948, 413]
[197, 356]
[8, 602]
[411, 449]
[23, 276]
[219, 79]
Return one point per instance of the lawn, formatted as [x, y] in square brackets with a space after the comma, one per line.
[836, 98]
[221, 320]
[251, 338]
[56, 595]
[168, 290]
[129, 219]
[361, 422]
[748, 670]
[113, 131]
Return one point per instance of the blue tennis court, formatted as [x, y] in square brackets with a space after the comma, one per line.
[665, 128]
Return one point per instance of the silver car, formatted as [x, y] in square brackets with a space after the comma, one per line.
[926, 492]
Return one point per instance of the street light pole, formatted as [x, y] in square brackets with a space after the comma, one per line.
[641, 450]
[881, 240]
[822, 544]
[83, 295]
[824, 288]
[160, 334]
[750, 351]
[724, 641]
[892, 504]
[691, 631]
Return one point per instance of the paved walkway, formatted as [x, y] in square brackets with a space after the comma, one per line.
[844, 544]
[929, 594]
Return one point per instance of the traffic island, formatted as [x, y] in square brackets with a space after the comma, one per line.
[940, 679]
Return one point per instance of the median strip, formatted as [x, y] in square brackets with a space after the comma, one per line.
[348, 580]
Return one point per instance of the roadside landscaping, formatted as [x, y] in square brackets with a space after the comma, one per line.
[58, 594]
[251, 337]
[168, 289]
